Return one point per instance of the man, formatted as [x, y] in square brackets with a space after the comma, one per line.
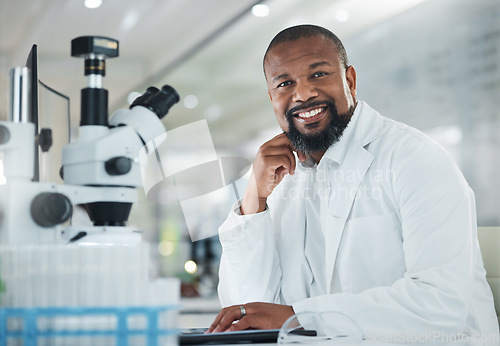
[375, 222]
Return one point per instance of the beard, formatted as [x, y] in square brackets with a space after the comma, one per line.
[321, 140]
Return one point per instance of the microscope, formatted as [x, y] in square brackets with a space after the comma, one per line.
[101, 170]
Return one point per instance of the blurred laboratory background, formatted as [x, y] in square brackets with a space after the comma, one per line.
[433, 64]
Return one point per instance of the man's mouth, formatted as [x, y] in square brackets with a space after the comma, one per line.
[310, 115]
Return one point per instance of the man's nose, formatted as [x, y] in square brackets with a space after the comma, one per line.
[304, 91]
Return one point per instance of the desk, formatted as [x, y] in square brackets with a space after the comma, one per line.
[200, 313]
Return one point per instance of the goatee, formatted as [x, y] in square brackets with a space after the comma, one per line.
[321, 140]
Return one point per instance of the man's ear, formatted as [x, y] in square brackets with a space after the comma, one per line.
[350, 75]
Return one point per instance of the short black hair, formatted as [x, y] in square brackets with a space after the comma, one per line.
[304, 31]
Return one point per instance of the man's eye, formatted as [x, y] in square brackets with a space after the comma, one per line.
[319, 74]
[284, 84]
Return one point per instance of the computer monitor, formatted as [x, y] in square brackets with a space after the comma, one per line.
[32, 65]
[50, 109]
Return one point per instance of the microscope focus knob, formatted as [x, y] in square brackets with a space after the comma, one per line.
[118, 165]
[45, 139]
[49, 209]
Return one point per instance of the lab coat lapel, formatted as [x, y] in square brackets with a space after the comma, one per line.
[345, 188]
[346, 182]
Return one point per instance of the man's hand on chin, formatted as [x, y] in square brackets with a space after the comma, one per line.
[251, 316]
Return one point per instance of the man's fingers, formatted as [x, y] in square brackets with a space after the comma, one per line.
[216, 321]
[258, 316]
[279, 151]
[282, 139]
[245, 323]
[250, 320]
[276, 162]
[280, 173]
[224, 323]
[232, 314]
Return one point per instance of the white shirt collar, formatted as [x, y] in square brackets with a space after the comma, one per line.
[337, 151]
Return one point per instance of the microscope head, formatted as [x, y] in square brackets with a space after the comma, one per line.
[95, 50]
[107, 152]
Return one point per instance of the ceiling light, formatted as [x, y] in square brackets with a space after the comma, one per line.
[190, 101]
[93, 3]
[260, 10]
[342, 15]
[190, 267]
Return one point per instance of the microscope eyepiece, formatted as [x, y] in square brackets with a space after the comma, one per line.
[171, 94]
[158, 101]
[141, 99]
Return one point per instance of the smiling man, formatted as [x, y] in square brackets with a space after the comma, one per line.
[347, 211]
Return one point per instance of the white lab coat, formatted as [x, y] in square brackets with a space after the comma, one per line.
[393, 244]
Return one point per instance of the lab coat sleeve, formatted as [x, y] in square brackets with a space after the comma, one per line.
[438, 221]
[249, 268]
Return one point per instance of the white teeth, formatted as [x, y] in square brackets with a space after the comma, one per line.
[311, 113]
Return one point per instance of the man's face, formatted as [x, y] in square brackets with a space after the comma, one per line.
[311, 91]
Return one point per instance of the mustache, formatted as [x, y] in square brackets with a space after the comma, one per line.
[329, 104]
